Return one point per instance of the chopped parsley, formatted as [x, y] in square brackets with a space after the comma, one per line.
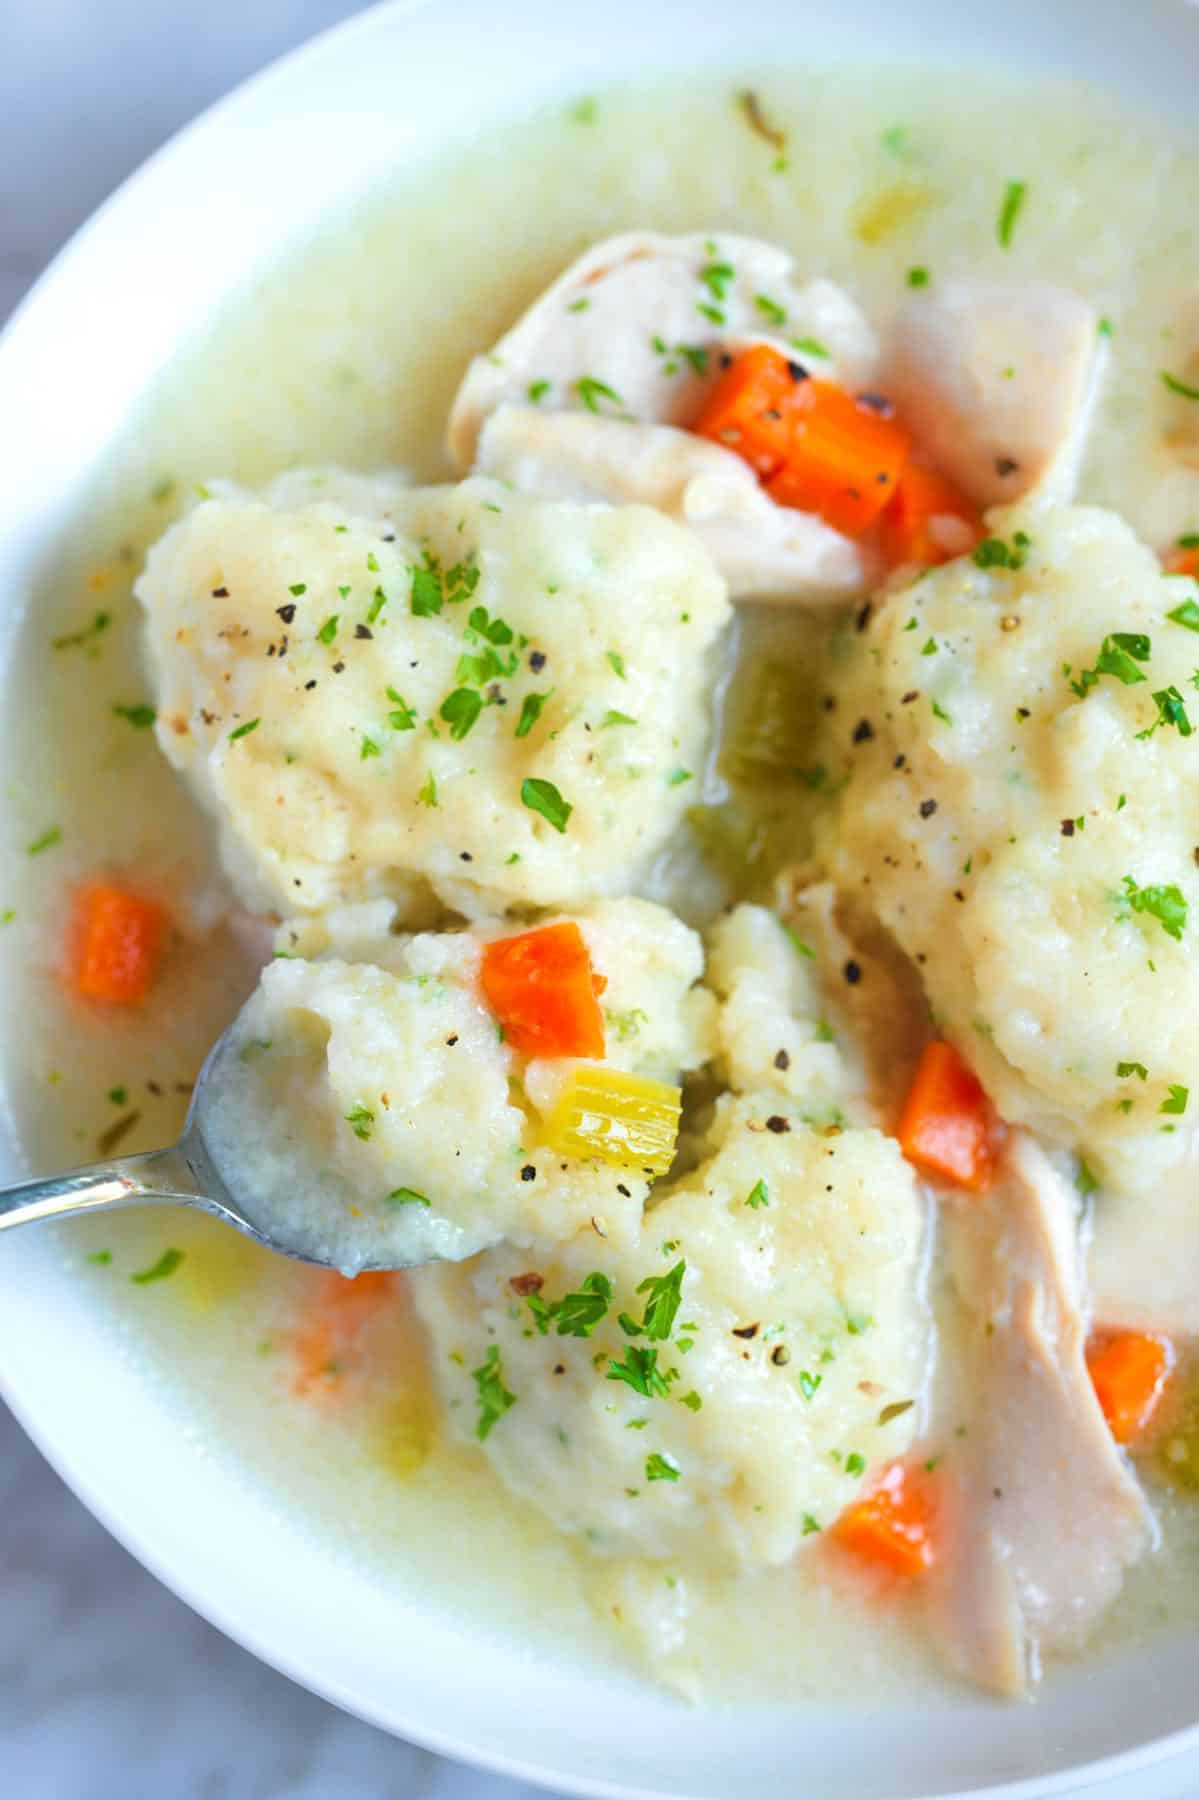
[427, 596]
[855, 1464]
[692, 1401]
[661, 1467]
[1124, 1070]
[918, 278]
[611, 718]
[368, 749]
[617, 663]
[665, 1296]
[1166, 904]
[1119, 655]
[581, 305]
[1185, 614]
[328, 630]
[770, 310]
[1085, 1179]
[530, 711]
[297, 588]
[591, 392]
[378, 602]
[810, 1525]
[403, 718]
[1179, 387]
[578, 1314]
[47, 841]
[460, 710]
[428, 794]
[543, 797]
[810, 346]
[994, 553]
[86, 635]
[1177, 1102]
[639, 1370]
[494, 1399]
[1014, 197]
[758, 1196]
[809, 1383]
[101, 1258]
[677, 777]
[361, 1120]
[140, 717]
[241, 731]
[166, 1265]
[1171, 710]
[406, 1196]
[537, 390]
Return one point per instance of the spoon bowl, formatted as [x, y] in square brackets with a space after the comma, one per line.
[184, 1174]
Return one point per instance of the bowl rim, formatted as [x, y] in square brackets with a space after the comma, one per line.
[173, 1572]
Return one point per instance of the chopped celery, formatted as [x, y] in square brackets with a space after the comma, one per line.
[609, 1116]
[771, 725]
[878, 216]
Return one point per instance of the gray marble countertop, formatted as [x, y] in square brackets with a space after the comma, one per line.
[110, 1688]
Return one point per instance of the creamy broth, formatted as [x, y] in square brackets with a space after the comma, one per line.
[350, 353]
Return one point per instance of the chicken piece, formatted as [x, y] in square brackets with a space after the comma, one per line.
[870, 987]
[761, 548]
[591, 393]
[635, 328]
[1148, 1280]
[997, 381]
[1042, 1513]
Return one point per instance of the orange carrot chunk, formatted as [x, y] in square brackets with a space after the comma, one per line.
[117, 941]
[845, 458]
[752, 408]
[927, 520]
[1129, 1373]
[945, 1128]
[1184, 561]
[542, 989]
[891, 1527]
[325, 1348]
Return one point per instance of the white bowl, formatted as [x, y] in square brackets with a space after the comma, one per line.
[259, 171]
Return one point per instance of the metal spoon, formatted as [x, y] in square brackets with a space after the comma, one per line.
[184, 1175]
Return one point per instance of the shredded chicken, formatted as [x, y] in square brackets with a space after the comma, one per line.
[869, 984]
[590, 395]
[998, 382]
[1042, 1512]
[769, 551]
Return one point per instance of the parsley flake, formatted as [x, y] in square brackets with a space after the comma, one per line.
[543, 797]
[530, 711]
[361, 1120]
[166, 1265]
[328, 630]
[494, 1399]
[1177, 1102]
[1167, 904]
[140, 717]
[1014, 197]
[591, 392]
[460, 710]
[406, 1196]
[758, 1196]
[661, 1467]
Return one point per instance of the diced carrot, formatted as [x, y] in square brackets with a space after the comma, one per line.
[845, 458]
[541, 987]
[892, 1526]
[337, 1313]
[1183, 561]
[927, 520]
[752, 408]
[1129, 1372]
[946, 1127]
[116, 943]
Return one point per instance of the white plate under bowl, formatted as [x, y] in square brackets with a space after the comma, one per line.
[234, 191]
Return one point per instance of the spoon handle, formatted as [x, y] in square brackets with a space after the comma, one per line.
[158, 1175]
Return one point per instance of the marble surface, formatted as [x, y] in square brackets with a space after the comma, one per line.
[110, 1688]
